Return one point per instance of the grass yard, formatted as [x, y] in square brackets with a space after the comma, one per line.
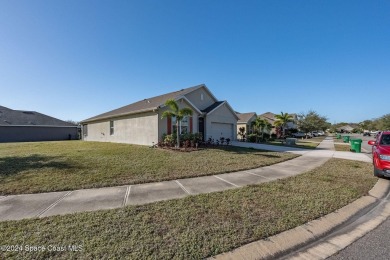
[342, 148]
[198, 226]
[69, 165]
[299, 144]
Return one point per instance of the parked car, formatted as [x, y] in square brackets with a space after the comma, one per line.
[315, 133]
[366, 134]
[321, 133]
[301, 135]
[381, 154]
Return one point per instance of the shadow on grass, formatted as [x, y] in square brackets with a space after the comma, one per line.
[16, 164]
[242, 150]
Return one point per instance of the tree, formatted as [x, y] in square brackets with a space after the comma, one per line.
[282, 120]
[312, 121]
[174, 111]
[259, 125]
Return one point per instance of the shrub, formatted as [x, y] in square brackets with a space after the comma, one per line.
[251, 138]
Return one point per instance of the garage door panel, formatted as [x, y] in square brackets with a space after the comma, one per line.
[219, 130]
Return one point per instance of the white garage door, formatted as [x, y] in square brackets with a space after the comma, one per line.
[219, 130]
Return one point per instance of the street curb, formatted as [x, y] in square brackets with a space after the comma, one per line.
[290, 240]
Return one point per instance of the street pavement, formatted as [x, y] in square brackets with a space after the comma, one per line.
[374, 245]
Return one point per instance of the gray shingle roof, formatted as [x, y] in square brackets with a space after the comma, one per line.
[10, 117]
[213, 106]
[244, 117]
[147, 104]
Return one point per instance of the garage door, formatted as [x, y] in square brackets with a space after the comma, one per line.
[219, 130]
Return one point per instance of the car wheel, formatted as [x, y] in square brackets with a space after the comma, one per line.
[377, 173]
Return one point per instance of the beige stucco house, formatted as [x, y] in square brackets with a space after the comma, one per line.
[141, 122]
[245, 120]
[270, 117]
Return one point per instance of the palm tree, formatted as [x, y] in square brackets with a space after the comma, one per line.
[176, 112]
[282, 120]
[259, 125]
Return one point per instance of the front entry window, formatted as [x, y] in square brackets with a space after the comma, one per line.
[183, 125]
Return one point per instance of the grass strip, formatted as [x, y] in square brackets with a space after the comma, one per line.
[198, 226]
[69, 165]
[342, 148]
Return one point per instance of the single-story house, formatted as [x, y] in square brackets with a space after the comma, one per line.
[346, 129]
[141, 122]
[28, 126]
[270, 117]
[245, 120]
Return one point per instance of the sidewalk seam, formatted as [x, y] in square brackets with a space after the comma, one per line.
[219, 178]
[183, 188]
[53, 204]
[127, 195]
[258, 175]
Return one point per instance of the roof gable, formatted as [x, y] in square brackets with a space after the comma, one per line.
[245, 117]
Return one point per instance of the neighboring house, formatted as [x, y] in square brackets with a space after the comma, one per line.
[346, 129]
[27, 126]
[270, 117]
[141, 122]
[245, 120]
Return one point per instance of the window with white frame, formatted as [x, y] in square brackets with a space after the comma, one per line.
[111, 127]
[183, 125]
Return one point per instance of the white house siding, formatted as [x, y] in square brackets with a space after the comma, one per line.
[195, 98]
[139, 129]
[162, 129]
[37, 133]
[219, 122]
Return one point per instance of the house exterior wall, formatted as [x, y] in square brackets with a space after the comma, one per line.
[139, 129]
[162, 122]
[221, 115]
[195, 98]
[37, 133]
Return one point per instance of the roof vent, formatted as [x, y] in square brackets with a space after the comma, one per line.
[28, 112]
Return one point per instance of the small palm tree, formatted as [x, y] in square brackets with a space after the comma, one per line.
[258, 125]
[282, 120]
[176, 112]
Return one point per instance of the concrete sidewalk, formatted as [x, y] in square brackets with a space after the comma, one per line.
[16, 207]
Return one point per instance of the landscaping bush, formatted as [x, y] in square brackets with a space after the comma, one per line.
[251, 138]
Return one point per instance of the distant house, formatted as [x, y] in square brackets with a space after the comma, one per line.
[245, 120]
[27, 126]
[346, 129]
[141, 122]
[270, 117]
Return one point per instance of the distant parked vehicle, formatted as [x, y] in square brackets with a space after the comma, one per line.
[314, 133]
[301, 134]
[366, 134]
[321, 133]
[373, 132]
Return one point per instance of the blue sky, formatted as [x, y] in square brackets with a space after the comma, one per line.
[77, 59]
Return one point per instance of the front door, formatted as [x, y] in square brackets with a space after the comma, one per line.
[201, 126]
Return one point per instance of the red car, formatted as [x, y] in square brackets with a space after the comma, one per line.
[381, 154]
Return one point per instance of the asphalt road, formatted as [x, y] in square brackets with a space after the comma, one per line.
[374, 245]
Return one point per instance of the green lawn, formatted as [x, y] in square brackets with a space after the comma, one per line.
[198, 226]
[299, 144]
[342, 148]
[69, 165]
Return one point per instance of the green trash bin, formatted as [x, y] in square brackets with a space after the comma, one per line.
[357, 145]
[352, 144]
[338, 136]
[346, 138]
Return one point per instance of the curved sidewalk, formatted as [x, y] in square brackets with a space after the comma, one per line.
[15, 207]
